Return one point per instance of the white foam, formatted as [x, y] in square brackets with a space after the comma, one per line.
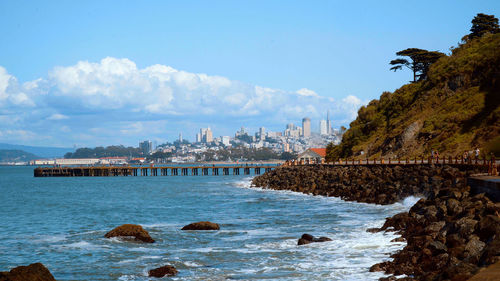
[192, 264]
[84, 245]
[51, 238]
[409, 201]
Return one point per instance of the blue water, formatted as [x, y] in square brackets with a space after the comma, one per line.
[61, 223]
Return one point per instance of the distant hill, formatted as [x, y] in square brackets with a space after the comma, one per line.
[16, 156]
[42, 152]
[457, 108]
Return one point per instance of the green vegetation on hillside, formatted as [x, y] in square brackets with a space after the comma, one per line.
[243, 153]
[455, 109]
[14, 155]
[110, 151]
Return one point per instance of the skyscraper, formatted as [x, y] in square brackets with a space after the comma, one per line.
[262, 133]
[306, 127]
[323, 129]
[205, 135]
[208, 136]
[146, 147]
[329, 129]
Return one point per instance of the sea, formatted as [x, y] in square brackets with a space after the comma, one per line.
[61, 223]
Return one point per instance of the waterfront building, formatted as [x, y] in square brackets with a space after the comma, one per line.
[313, 155]
[76, 161]
[306, 127]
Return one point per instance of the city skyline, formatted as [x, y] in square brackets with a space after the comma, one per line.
[84, 74]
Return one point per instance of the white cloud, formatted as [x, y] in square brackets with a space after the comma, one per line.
[57, 116]
[307, 93]
[97, 94]
[11, 93]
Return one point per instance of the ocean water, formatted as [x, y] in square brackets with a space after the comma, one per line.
[61, 223]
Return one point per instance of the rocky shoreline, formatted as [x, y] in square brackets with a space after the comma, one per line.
[450, 234]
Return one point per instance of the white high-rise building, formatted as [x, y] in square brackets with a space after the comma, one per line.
[306, 127]
[329, 129]
[208, 136]
[323, 128]
[262, 132]
[205, 136]
[226, 140]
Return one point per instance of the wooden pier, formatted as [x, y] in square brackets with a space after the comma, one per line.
[110, 171]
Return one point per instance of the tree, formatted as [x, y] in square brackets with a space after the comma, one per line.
[482, 24]
[420, 62]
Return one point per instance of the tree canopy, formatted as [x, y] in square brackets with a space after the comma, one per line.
[419, 63]
[482, 24]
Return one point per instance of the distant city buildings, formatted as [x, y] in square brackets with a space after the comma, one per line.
[293, 131]
[226, 140]
[306, 127]
[323, 129]
[205, 136]
[146, 147]
[328, 124]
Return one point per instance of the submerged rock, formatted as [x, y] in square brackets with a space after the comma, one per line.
[202, 225]
[32, 272]
[308, 238]
[133, 230]
[160, 272]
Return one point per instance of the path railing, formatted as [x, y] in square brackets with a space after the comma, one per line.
[492, 163]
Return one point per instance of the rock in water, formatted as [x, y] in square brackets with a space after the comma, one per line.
[308, 238]
[32, 272]
[202, 225]
[131, 230]
[159, 272]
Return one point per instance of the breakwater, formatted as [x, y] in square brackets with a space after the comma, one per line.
[450, 233]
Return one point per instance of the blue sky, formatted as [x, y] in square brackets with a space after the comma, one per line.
[90, 73]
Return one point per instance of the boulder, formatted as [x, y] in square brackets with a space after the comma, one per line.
[131, 230]
[202, 225]
[160, 272]
[474, 248]
[308, 238]
[32, 272]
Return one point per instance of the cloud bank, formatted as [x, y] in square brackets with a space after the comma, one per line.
[114, 101]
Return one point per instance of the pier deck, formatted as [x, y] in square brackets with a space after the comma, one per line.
[109, 171]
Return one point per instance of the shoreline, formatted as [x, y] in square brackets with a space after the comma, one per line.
[448, 232]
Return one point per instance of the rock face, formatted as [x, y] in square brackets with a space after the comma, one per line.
[32, 272]
[308, 238]
[133, 230]
[160, 272]
[202, 225]
[450, 234]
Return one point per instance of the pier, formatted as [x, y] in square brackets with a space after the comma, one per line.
[114, 171]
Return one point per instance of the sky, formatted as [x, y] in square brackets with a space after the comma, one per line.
[98, 73]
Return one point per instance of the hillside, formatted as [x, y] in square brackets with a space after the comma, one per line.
[455, 109]
[16, 156]
[41, 151]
